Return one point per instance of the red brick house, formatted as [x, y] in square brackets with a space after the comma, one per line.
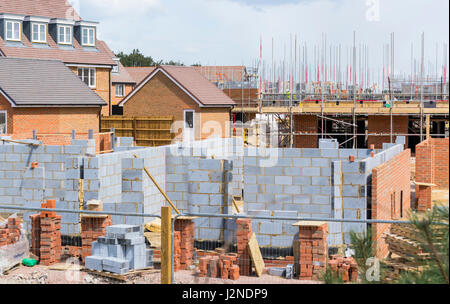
[52, 29]
[200, 109]
[44, 95]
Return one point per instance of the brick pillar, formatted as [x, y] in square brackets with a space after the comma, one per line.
[50, 235]
[382, 124]
[308, 124]
[424, 174]
[186, 229]
[35, 234]
[313, 249]
[243, 234]
[91, 228]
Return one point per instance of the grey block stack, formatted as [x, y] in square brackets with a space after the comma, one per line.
[122, 249]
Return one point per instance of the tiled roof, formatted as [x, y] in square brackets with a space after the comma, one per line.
[67, 55]
[193, 82]
[139, 73]
[32, 82]
[123, 76]
[222, 73]
[41, 8]
[51, 9]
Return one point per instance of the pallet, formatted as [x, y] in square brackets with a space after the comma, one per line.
[120, 277]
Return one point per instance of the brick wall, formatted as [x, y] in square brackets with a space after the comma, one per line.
[390, 196]
[431, 167]
[114, 99]
[161, 97]
[382, 124]
[305, 123]
[50, 120]
[102, 86]
[441, 160]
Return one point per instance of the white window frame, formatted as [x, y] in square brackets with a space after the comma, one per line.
[64, 28]
[88, 30]
[40, 26]
[90, 71]
[6, 121]
[12, 38]
[120, 85]
[188, 133]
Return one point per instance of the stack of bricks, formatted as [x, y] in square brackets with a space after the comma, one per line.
[183, 244]
[92, 227]
[35, 234]
[243, 234]
[313, 249]
[11, 233]
[223, 266]
[50, 235]
[347, 268]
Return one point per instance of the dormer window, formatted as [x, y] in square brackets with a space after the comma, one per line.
[13, 30]
[88, 36]
[39, 32]
[64, 34]
[115, 68]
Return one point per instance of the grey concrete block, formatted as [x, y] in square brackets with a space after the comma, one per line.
[311, 171]
[295, 189]
[354, 203]
[283, 180]
[271, 228]
[310, 152]
[94, 263]
[99, 249]
[320, 162]
[277, 271]
[116, 251]
[320, 181]
[302, 180]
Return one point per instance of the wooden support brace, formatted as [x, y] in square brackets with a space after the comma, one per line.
[159, 188]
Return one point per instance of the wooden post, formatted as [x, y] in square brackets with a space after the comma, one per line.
[427, 121]
[166, 245]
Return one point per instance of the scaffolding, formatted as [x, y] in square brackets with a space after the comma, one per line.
[331, 90]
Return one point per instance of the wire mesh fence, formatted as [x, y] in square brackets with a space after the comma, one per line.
[44, 239]
[247, 249]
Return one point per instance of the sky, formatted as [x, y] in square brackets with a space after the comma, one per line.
[228, 32]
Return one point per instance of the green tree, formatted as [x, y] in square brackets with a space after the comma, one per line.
[135, 59]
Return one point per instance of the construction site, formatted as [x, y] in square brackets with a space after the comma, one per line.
[309, 169]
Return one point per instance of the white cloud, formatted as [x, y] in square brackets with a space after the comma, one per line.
[228, 31]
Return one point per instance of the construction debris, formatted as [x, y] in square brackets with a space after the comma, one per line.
[346, 267]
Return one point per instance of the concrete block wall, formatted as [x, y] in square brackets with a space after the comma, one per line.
[17, 187]
[274, 233]
[115, 171]
[208, 192]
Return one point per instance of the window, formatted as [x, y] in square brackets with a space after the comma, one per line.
[13, 31]
[189, 119]
[3, 122]
[120, 90]
[88, 36]
[64, 34]
[115, 68]
[87, 75]
[39, 33]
